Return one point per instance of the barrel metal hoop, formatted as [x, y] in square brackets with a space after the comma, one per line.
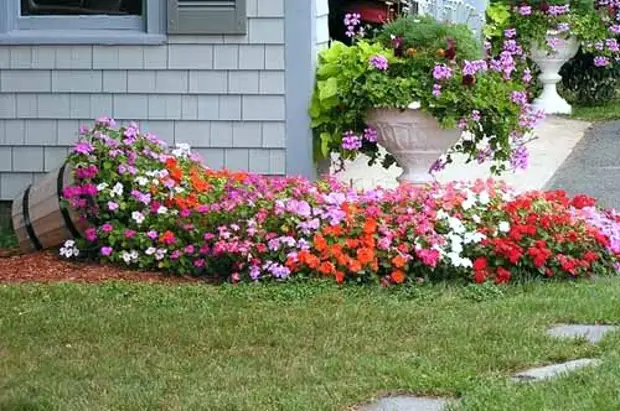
[29, 229]
[63, 210]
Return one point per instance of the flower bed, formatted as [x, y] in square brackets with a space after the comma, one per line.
[151, 208]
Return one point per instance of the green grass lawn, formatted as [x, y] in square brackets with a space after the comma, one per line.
[121, 346]
[609, 111]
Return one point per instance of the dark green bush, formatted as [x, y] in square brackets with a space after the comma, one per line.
[426, 33]
[585, 84]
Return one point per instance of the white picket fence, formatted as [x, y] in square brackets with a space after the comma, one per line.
[470, 12]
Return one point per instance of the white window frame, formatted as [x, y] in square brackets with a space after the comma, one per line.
[98, 29]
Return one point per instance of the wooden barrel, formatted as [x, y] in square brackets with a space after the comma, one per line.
[39, 220]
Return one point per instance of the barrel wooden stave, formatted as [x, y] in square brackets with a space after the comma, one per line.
[46, 218]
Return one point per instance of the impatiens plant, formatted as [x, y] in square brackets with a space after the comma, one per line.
[153, 208]
[434, 67]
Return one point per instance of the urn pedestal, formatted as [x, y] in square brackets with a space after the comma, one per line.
[550, 64]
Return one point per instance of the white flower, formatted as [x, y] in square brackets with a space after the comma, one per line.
[473, 237]
[102, 186]
[150, 251]
[457, 247]
[414, 105]
[162, 210]
[66, 252]
[134, 255]
[504, 227]
[138, 217]
[178, 189]
[142, 181]
[441, 215]
[456, 225]
[69, 249]
[126, 257]
[155, 181]
[468, 203]
[163, 173]
[160, 254]
[476, 219]
[484, 198]
[182, 150]
[151, 173]
[117, 190]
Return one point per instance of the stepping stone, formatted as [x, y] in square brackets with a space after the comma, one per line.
[555, 370]
[593, 333]
[406, 403]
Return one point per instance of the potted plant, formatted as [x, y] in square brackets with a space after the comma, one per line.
[415, 89]
[550, 32]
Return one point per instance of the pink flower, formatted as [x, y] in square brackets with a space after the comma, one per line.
[90, 234]
[428, 257]
[83, 147]
[106, 251]
[129, 234]
[107, 228]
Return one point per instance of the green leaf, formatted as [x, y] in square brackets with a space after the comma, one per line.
[325, 140]
[498, 13]
[328, 88]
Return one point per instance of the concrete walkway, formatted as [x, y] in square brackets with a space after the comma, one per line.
[593, 167]
[556, 139]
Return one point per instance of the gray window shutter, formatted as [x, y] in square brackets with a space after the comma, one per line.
[207, 17]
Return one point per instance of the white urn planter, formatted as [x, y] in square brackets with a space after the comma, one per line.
[550, 64]
[414, 138]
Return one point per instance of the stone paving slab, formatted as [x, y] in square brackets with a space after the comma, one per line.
[557, 137]
[555, 370]
[406, 403]
[592, 333]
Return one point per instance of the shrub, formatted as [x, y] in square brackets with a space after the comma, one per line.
[586, 84]
[152, 208]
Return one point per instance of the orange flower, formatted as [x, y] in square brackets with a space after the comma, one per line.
[398, 277]
[335, 249]
[335, 230]
[399, 261]
[310, 260]
[319, 242]
[370, 227]
[365, 255]
[352, 243]
[355, 266]
[339, 277]
[326, 268]
[176, 173]
[368, 241]
[375, 265]
[171, 162]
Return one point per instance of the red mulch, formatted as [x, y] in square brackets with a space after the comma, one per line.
[46, 267]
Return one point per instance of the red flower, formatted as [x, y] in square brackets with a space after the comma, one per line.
[590, 256]
[502, 276]
[167, 238]
[480, 277]
[580, 201]
[481, 264]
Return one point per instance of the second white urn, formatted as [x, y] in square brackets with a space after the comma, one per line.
[550, 64]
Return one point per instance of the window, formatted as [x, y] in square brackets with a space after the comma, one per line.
[80, 7]
[82, 21]
[116, 21]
